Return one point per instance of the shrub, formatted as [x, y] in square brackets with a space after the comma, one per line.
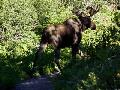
[17, 38]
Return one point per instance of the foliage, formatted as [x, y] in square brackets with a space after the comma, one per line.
[21, 22]
[17, 39]
[51, 11]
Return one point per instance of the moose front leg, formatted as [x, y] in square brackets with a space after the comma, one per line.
[57, 59]
[75, 49]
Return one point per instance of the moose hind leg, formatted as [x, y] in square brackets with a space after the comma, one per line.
[38, 56]
[57, 59]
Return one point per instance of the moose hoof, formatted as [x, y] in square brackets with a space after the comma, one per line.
[57, 70]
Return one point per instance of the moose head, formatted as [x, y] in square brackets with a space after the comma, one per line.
[85, 17]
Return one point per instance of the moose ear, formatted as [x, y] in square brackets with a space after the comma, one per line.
[79, 14]
[76, 11]
[92, 10]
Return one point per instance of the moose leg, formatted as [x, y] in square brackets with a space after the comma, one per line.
[38, 56]
[76, 40]
[75, 50]
[57, 59]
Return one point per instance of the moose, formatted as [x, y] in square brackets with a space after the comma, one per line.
[67, 34]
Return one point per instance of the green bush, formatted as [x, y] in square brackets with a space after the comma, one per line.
[21, 22]
[17, 38]
[51, 11]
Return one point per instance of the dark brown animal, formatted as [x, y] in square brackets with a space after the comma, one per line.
[68, 34]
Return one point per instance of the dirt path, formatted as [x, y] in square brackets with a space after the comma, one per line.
[41, 83]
